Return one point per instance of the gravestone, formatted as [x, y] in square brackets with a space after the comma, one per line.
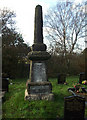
[74, 108]
[81, 77]
[61, 78]
[38, 88]
[5, 84]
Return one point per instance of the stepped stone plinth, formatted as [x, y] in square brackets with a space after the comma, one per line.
[38, 87]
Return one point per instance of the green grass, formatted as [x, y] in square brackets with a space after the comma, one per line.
[15, 106]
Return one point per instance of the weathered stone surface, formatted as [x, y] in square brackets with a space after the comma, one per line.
[61, 78]
[38, 55]
[37, 86]
[39, 47]
[5, 84]
[38, 83]
[81, 77]
[39, 89]
[38, 96]
[74, 108]
[38, 28]
[38, 71]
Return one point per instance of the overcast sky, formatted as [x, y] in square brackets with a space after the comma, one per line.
[25, 10]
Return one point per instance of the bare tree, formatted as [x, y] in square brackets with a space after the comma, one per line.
[65, 25]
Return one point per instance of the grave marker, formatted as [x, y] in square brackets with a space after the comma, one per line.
[61, 78]
[74, 108]
[5, 84]
[81, 77]
[38, 88]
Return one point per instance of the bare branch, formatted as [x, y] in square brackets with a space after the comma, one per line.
[65, 25]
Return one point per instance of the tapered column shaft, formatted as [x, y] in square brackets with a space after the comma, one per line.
[38, 25]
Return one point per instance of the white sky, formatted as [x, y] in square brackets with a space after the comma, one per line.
[25, 10]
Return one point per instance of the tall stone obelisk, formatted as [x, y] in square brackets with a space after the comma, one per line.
[38, 88]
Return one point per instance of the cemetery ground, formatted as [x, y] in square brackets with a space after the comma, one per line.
[14, 105]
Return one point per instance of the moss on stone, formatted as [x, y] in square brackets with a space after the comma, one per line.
[38, 55]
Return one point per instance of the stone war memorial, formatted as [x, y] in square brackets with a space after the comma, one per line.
[38, 87]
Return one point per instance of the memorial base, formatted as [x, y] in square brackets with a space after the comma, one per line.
[38, 96]
[39, 91]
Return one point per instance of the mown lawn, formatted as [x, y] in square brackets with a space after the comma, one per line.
[14, 105]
